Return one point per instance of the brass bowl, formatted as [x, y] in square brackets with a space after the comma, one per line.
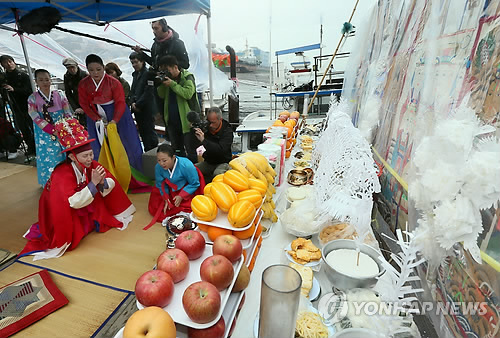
[297, 177]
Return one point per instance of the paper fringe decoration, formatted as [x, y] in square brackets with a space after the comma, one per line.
[346, 174]
[393, 288]
[457, 173]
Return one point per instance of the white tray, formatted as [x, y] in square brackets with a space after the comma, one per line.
[229, 315]
[221, 220]
[175, 308]
[250, 252]
[245, 243]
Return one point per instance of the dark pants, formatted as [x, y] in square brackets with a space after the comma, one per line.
[183, 143]
[25, 124]
[146, 125]
[210, 170]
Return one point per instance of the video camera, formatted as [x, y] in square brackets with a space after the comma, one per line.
[196, 122]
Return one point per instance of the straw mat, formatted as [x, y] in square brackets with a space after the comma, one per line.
[89, 305]
[19, 193]
[115, 258]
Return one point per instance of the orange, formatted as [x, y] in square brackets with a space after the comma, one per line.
[259, 230]
[287, 154]
[203, 227]
[245, 233]
[214, 232]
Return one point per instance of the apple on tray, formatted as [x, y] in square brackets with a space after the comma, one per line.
[228, 246]
[154, 288]
[201, 301]
[218, 271]
[215, 331]
[192, 243]
[174, 262]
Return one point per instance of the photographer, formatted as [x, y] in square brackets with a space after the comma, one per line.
[217, 140]
[178, 90]
[19, 89]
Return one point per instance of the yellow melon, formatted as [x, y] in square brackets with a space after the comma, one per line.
[241, 214]
[206, 190]
[236, 180]
[251, 195]
[223, 195]
[218, 178]
[204, 208]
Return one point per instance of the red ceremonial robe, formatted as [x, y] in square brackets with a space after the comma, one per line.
[59, 223]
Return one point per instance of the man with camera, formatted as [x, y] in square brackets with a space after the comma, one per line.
[16, 91]
[217, 139]
[178, 90]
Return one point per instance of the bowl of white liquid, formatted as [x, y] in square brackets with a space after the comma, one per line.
[348, 268]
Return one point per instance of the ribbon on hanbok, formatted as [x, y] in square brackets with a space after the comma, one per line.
[114, 157]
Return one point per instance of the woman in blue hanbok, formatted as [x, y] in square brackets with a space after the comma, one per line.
[177, 182]
[46, 107]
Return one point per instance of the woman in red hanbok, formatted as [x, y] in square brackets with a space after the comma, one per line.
[81, 196]
[102, 98]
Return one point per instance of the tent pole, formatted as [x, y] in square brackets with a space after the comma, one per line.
[26, 57]
[210, 62]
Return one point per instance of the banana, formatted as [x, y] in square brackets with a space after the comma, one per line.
[271, 188]
[251, 167]
[269, 177]
[236, 165]
[273, 205]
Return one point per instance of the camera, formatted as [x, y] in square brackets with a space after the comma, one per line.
[158, 76]
[196, 122]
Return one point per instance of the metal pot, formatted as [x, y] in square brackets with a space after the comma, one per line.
[355, 333]
[345, 282]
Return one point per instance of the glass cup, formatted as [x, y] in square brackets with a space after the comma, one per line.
[279, 301]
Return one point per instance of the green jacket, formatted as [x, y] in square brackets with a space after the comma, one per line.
[185, 89]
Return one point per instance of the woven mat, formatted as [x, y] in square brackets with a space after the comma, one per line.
[115, 258]
[89, 305]
[19, 208]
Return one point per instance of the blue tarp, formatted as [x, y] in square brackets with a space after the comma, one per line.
[102, 11]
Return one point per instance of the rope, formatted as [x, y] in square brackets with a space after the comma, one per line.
[331, 61]
[98, 38]
[128, 36]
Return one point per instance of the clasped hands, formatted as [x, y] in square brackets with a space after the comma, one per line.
[98, 175]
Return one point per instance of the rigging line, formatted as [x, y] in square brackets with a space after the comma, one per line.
[331, 60]
[128, 36]
[97, 38]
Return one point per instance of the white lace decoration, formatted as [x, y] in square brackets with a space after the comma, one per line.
[346, 176]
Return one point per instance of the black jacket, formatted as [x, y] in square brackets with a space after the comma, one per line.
[218, 146]
[173, 46]
[71, 87]
[20, 81]
[141, 92]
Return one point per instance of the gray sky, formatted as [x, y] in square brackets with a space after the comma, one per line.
[294, 23]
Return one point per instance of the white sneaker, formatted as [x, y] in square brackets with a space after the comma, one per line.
[12, 156]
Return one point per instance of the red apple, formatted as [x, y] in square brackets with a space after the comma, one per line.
[214, 331]
[154, 288]
[233, 325]
[192, 243]
[201, 301]
[228, 246]
[242, 301]
[175, 263]
[217, 270]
